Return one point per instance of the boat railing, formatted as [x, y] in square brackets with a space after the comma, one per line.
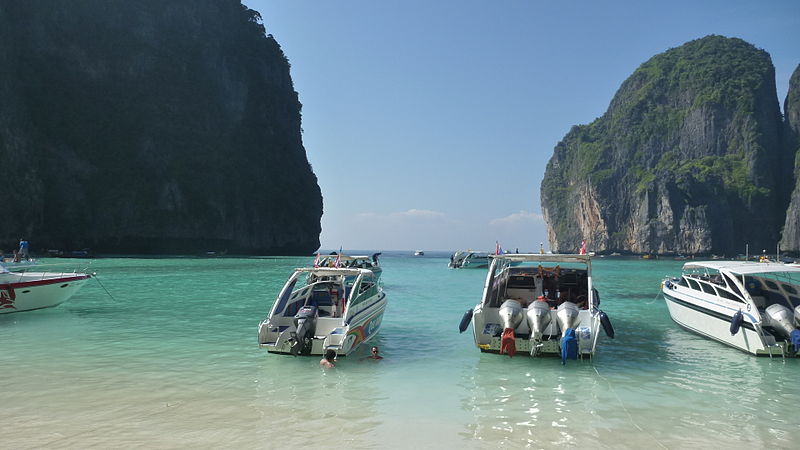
[20, 277]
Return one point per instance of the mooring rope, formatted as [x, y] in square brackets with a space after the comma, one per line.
[94, 275]
[630, 417]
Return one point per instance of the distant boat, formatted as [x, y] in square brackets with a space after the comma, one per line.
[16, 266]
[419, 253]
[85, 253]
[353, 262]
[469, 259]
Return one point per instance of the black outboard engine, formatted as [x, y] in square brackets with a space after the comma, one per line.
[305, 322]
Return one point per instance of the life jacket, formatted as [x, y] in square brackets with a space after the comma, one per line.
[795, 337]
[569, 346]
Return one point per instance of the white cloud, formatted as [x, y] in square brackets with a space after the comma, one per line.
[410, 214]
[518, 218]
[421, 213]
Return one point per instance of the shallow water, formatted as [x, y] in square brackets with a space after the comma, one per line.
[163, 354]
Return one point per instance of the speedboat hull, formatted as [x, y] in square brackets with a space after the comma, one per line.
[715, 325]
[324, 314]
[750, 306]
[29, 291]
[334, 334]
[540, 305]
[692, 311]
[487, 332]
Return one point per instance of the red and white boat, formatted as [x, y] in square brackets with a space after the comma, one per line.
[26, 291]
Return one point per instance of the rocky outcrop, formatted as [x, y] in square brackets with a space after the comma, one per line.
[791, 229]
[687, 159]
[144, 126]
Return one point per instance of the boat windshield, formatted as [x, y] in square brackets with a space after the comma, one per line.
[328, 293]
[764, 288]
[771, 288]
[529, 281]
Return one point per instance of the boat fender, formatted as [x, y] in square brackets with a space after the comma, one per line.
[736, 322]
[508, 343]
[606, 323]
[465, 321]
[795, 338]
[569, 346]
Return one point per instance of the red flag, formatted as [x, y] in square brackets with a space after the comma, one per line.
[316, 260]
[583, 247]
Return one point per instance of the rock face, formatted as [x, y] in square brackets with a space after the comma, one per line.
[688, 158]
[791, 107]
[146, 126]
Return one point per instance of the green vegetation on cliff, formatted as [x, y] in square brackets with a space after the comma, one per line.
[697, 121]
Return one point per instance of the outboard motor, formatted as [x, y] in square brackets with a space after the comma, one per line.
[538, 321]
[567, 315]
[797, 315]
[511, 316]
[305, 322]
[780, 318]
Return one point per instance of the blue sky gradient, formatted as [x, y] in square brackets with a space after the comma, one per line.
[429, 123]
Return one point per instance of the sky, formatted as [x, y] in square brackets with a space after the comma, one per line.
[429, 123]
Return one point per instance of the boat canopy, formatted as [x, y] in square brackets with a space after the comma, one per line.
[742, 267]
[545, 257]
[333, 271]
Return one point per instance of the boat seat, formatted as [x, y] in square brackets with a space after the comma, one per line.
[321, 298]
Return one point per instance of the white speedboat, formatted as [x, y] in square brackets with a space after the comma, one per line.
[419, 253]
[469, 259]
[26, 291]
[352, 262]
[538, 304]
[752, 306]
[322, 309]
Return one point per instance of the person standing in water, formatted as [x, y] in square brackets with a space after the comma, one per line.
[327, 362]
[375, 354]
[23, 249]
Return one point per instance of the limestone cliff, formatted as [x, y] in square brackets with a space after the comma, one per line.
[149, 126]
[791, 107]
[687, 159]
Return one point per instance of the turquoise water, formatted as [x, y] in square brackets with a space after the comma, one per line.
[169, 359]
